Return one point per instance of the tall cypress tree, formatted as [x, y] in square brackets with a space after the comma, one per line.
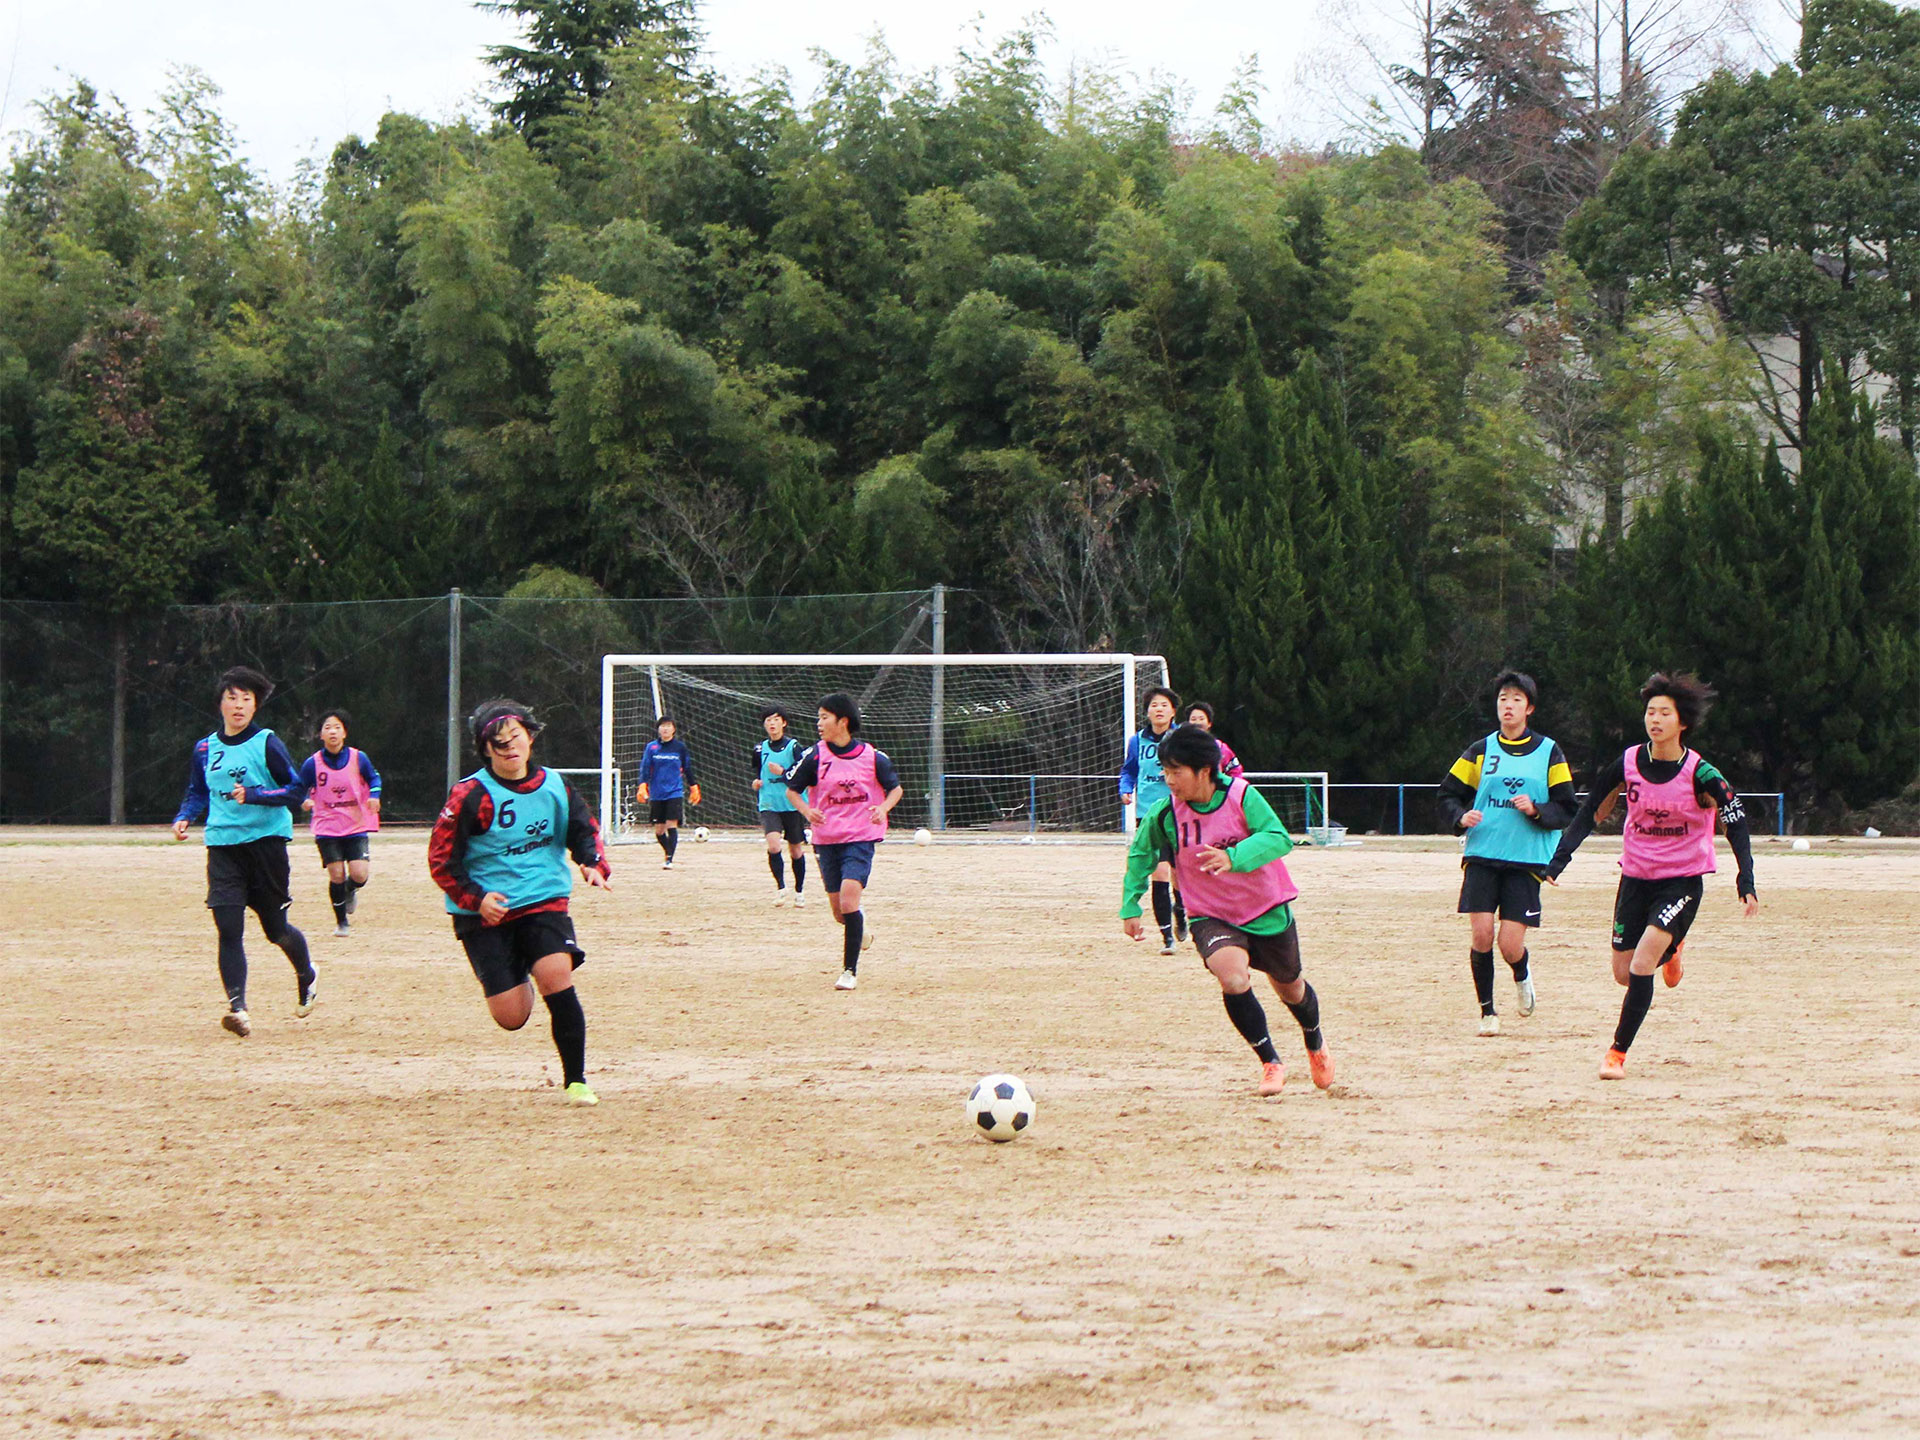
[569, 44]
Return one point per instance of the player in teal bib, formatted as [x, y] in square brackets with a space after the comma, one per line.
[242, 783]
[1144, 786]
[775, 758]
[1510, 794]
[499, 853]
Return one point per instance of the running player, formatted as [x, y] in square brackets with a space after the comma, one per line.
[1201, 713]
[1226, 845]
[1511, 794]
[773, 758]
[1672, 793]
[1143, 787]
[342, 790]
[666, 785]
[242, 784]
[499, 850]
[853, 788]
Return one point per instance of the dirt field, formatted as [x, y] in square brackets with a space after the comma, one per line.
[382, 1221]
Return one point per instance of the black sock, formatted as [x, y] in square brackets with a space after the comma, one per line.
[673, 841]
[231, 923]
[353, 884]
[1163, 908]
[856, 927]
[1307, 1012]
[777, 863]
[1519, 967]
[1633, 1009]
[661, 840]
[1179, 910]
[1483, 978]
[799, 873]
[294, 944]
[337, 892]
[1251, 1021]
[569, 1034]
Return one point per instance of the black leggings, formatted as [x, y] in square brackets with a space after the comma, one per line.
[230, 921]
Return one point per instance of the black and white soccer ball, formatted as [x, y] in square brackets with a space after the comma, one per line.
[1000, 1107]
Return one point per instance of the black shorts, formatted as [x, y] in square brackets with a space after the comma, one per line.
[789, 823]
[665, 812]
[502, 955]
[1668, 905]
[1515, 894]
[1278, 955]
[335, 849]
[254, 874]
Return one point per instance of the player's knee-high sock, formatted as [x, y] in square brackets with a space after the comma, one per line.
[1163, 908]
[1179, 911]
[569, 1034]
[777, 863]
[1251, 1021]
[294, 945]
[1307, 1012]
[1519, 967]
[673, 841]
[660, 839]
[231, 923]
[1483, 978]
[337, 892]
[799, 873]
[856, 928]
[1633, 1009]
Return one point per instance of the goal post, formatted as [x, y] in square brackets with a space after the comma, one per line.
[983, 742]
[1300, 798]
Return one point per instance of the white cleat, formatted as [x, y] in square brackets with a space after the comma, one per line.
[779, 898]
[847, 981]
[799, 897]
[303, 1006]
[1166, 947]
[666, 864]
[238, 1022]
[342, 930]
[1523, 991]
[1489, 1025]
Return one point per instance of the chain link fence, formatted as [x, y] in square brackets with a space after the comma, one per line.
[404, 669]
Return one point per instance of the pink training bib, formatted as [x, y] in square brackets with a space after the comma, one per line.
[1667, 833]
[1234, 898]
[340, 797]
[847, 785]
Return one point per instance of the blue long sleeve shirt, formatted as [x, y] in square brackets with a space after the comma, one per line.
[666, 768]
[310, 776]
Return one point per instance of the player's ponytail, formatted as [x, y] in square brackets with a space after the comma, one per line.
[485, 722]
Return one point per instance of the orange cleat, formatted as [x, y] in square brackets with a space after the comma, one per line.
[1320, 1066]
[1614, 1067]
[1273, 1075]
[1671, 968]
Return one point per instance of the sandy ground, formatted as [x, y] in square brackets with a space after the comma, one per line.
[382, 1221]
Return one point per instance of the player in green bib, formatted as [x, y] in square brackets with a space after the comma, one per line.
[775, 758]
[242, 783]
[1511, 794]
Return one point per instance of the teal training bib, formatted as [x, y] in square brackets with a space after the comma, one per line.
[1503, 832]
[773, 788]
[523, 853]
[245, 764]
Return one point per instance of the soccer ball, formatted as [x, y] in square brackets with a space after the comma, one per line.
[1000, 1107]
[700, 834]
[1026, 839]
[923, 836]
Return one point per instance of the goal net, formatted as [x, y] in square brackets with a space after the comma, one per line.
[987, 743]
[1299, 798]
[604, 792]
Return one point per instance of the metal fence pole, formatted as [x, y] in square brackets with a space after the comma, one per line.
[937, 721]
[453, 687]
[1403, 808]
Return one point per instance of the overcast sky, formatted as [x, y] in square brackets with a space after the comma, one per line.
[299, 77]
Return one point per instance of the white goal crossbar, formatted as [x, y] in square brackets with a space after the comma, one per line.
[1124, 722]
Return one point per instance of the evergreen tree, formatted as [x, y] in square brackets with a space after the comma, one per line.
[567, 57]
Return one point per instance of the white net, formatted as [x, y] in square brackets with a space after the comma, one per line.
[615, 820]
[1299, 798]
[982, 742]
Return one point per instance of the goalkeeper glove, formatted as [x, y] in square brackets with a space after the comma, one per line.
[640, 795]
[693, 795]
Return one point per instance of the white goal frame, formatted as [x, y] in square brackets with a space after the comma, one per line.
[1124, 661]
[1314, 782]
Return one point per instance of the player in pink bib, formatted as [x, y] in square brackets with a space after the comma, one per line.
[846, 789]
[1226, 847]
[1201, 713]
[342, 791]
[1673, 795]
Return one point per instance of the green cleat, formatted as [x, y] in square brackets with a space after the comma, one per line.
[579, 1094]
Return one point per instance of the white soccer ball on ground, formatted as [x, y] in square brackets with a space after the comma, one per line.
[700, 834]
[1802, 845]
[1026, 839]
[1000, 1107]
[923, 836]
